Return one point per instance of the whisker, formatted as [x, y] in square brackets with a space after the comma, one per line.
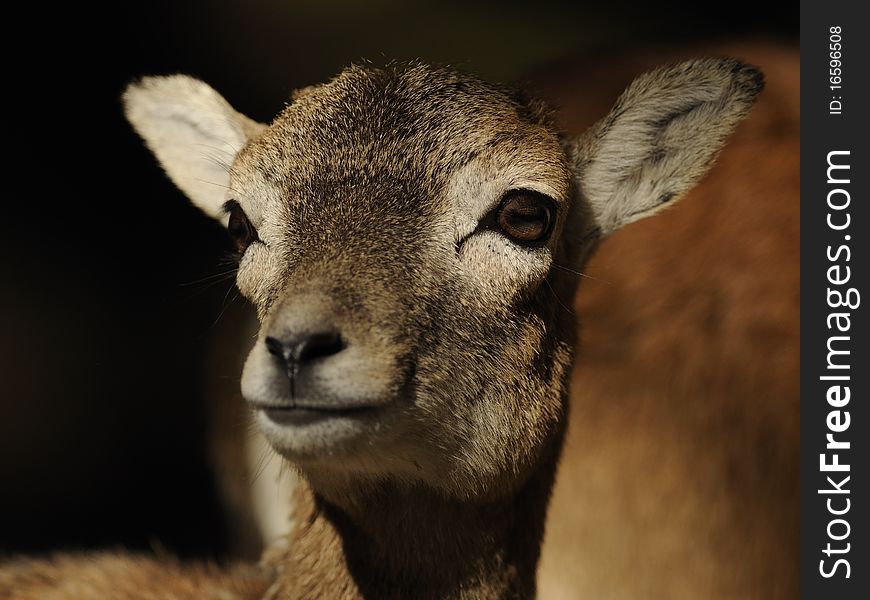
[225, 304]
[581, 274]
[217, 162]
[558, 299]
[231, 152]
[226, 187]
[215, 278]
[266, 457]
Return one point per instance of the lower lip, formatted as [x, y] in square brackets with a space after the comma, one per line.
[304, 416]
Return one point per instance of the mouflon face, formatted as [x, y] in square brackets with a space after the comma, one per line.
[411, 238]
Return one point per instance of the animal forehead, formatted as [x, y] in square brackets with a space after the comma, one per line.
[411, 122]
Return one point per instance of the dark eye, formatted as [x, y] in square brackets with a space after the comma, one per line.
[239, 227]
[526, 217]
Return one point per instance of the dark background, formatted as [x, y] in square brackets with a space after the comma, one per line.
[104, 310]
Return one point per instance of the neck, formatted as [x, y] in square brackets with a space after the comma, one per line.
[394, 541]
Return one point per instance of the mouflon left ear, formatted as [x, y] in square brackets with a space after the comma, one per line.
[193, 132]
[660, 138]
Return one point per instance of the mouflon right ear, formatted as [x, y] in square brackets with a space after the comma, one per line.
[660, 138]
[194, 133]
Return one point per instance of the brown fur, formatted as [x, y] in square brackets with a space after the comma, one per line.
[440, 489]
[687, 515]
[119, 577]
[679, 477]
[412, 547]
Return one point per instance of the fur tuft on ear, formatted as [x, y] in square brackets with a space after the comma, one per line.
[660, 138]
[193, 131]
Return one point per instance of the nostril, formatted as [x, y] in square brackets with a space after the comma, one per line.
[276, 348]
[294, 352]
[318, 345]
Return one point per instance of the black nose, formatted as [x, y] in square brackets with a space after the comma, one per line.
[296, 351]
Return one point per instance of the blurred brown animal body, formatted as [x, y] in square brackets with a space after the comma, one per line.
[679, 476]
[609, 439]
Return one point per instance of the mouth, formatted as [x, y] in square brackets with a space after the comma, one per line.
[311, 433]
[298, 416]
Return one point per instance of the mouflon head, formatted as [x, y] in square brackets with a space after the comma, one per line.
[411, 238]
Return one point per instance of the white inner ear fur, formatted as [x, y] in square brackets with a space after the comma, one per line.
[661, 137]
[194, 133]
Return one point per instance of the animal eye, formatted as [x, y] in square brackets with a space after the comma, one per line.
[239, 227]
[526, 217]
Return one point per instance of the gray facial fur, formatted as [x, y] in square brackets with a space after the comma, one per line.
[367, 195]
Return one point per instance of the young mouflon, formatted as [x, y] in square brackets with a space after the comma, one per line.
[412, 238]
